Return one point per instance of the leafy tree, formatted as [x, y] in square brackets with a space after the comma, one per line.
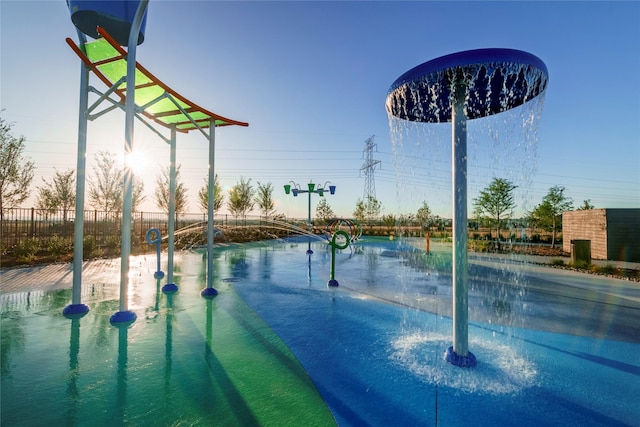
[240, 199]
[162, 193]
[425, 217]
[106, 186]
[549, 212]
[59, 193]
[586, 205]
[218, 196]
[45, 201]
[360, 212]
[264, 199]
[389, 220]
[16, 170]
[323, 211]
[495, 203]
[373, 208]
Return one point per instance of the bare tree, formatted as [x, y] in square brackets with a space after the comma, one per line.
[16, 170]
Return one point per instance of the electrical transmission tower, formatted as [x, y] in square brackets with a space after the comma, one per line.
[369, 167]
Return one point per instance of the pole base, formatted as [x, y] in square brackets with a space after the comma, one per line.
[75, 311]
[333, 283]
[158, 274]
[208, 293]
[468, 361]
[309, 252]
[123, 318]
[170, 288]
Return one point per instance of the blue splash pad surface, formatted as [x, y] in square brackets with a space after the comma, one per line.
[372, 347]
[377, 361]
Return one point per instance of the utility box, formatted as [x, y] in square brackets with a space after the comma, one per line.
[580, 251]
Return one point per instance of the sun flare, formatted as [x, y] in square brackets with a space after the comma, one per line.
[138, 161]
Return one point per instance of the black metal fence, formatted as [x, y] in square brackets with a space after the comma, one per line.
[20, 224]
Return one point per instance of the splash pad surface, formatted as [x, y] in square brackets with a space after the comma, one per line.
[277, 347]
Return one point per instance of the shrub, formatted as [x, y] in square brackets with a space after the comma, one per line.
[57, 245]
[479, 245]
[606, 269]
[25, 250]
[112, 244]
[89, 247]
[557, 262]
[581, 265]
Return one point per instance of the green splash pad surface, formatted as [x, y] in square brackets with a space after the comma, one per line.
[185, 361]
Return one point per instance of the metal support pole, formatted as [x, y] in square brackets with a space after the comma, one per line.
[309, 227]
[460, 260]
[81, 169]
[124, 315]
[309, 214]
[460, 355]
[172, 204]
[210, 291]
[77, 308]
[171, 287]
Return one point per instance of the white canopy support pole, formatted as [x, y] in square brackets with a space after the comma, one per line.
[209, 291]
[77, 308]
[124, 315]
[172, 203]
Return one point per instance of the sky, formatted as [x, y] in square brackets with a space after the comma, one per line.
[311, 79]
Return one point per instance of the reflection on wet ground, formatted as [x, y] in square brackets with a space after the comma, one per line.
[279, 347]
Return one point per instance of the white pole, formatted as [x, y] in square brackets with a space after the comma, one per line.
[128, 149]
[172, 204]
[211, 198]
[81, 162]
[460, 259]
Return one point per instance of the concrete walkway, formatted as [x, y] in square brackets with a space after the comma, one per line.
[60, 276]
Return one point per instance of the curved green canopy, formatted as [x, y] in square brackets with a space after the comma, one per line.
[154, 99]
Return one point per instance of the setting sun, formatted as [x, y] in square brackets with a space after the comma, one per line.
[138, 161]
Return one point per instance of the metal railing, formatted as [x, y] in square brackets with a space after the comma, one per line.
[19, 224]
[39, 226]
